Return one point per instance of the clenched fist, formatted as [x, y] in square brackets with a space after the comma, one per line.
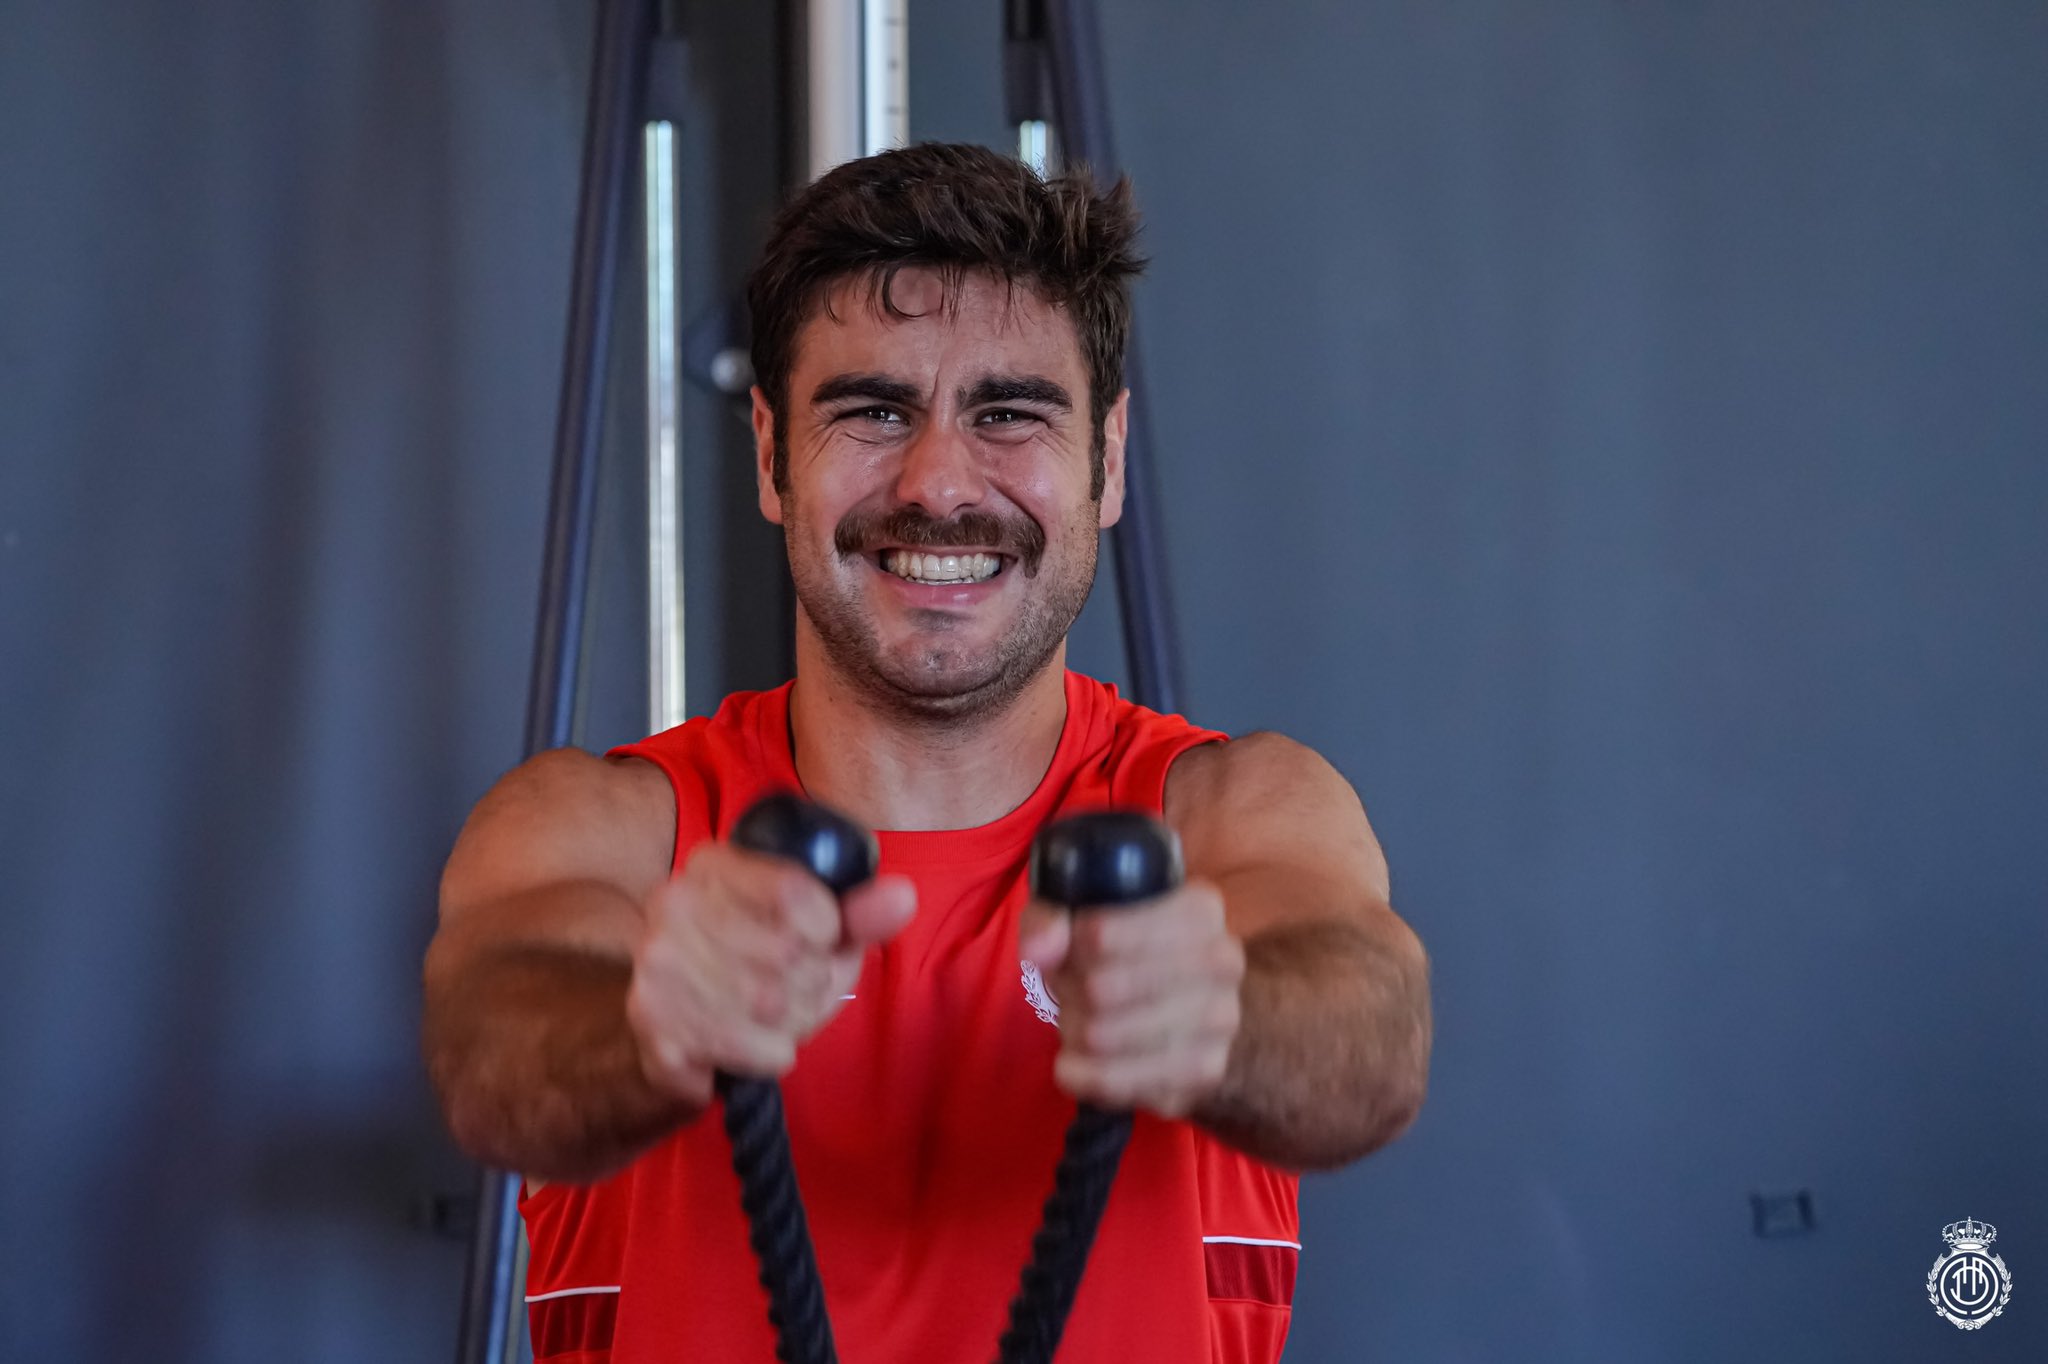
[744, 957]
[1148, 997]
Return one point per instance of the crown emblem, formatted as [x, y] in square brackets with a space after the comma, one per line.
[1969, 1234]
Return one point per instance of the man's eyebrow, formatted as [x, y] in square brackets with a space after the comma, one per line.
[879, 387]
[1017, 388]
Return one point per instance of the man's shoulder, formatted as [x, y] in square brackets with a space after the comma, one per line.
[558, 780]
[562, 815]
[1249, 771]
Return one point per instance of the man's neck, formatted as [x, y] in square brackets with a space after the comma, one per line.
[890, 770]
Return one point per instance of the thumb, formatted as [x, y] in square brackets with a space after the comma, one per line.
[877, 911]
[1043, 935]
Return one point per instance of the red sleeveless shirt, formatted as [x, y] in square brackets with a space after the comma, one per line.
[924, 1124]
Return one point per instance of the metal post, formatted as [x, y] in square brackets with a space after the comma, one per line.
[666, 702]
[1080, 103]
[618, 73]
[1034, 144]
[1026, 102]
[884, 75]
[856, 80]
[832, 104]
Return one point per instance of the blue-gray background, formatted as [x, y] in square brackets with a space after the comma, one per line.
[1613, 433]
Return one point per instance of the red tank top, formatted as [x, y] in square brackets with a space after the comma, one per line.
[924, 1124]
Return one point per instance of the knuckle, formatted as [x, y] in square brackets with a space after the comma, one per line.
[809, 911]
[809, 988]
[784, 893]
[789, 951]
[768, 1001]
[1224, 1014]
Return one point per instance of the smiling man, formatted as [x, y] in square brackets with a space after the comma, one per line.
[939, 431]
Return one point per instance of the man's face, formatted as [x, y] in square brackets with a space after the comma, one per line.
[937, 508]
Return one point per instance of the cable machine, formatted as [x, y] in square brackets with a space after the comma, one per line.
[852, 86]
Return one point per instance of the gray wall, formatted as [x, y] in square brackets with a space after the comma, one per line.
[1629, 462]
[1614, 434]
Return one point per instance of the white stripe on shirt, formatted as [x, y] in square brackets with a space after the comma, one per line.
[1248, 1241]
[571, 1292]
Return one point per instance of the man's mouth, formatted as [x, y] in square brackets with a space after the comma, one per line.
[918, 566]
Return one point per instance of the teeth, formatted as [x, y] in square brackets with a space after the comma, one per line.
[941, 568]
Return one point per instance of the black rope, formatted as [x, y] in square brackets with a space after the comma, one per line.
[1059, 1253]
[775, 1220]
[1101, 859]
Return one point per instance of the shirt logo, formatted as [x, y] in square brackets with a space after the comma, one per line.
[1041, 1000]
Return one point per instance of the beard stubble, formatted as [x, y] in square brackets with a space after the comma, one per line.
[937, 682]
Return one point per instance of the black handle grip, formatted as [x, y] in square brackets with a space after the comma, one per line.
[1099, 860]
[818, 838]
[1104, 858]
[842, 855]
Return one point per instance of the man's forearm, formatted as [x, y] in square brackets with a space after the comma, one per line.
[1332, 1053]
[536, 1065]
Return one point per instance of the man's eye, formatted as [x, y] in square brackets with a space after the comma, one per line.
[1004, 416]
[879, 415]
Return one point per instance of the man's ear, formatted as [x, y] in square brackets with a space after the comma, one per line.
[1115, 426]
[764, 457]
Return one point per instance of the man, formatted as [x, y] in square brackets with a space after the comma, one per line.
[939, 429]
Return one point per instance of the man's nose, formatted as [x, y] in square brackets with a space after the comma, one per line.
[940, 472]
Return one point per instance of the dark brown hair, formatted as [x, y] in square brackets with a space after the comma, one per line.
[958, 208]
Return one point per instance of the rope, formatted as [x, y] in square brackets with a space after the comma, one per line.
[775, 1220]
[1101, 859]
[1059, 1252]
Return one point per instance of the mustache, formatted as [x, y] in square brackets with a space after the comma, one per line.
[862, 532]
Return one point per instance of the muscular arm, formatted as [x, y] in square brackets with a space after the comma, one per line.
[525, 1031]
[1331, 1056]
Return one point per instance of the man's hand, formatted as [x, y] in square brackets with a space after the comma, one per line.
[744, 957]
[1148, 997]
